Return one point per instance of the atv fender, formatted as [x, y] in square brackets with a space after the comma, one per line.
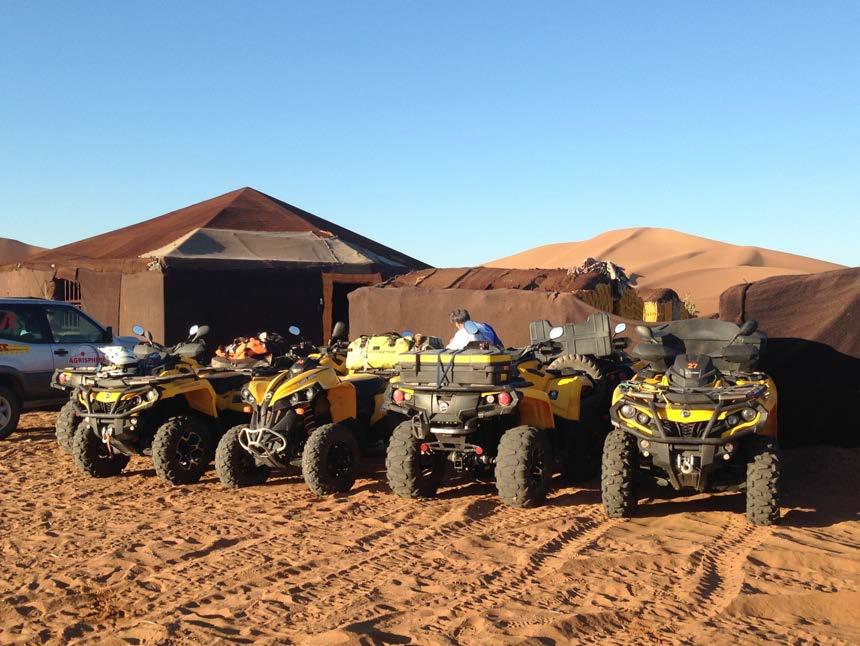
[202, 399]
[568, 399]
[535, 409]
[342, 401]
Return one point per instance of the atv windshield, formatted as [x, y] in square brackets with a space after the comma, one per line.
[705, 337]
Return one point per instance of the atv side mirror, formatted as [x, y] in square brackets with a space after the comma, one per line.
[645, 332]
[199, 331]
[138, 330]
[620, 328]
[471, 327]
[294, 330]
[339, 331]
[748, 328]
[556, 333]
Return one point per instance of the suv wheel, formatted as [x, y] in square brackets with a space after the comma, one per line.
[10, 412]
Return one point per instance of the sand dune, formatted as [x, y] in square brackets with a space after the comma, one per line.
[129, 560]
[694, 266]
[14, 250]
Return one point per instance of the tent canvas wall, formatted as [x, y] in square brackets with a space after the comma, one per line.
[509, 311]
[241, 262]
[813, 350]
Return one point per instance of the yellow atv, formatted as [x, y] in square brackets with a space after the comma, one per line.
[699, 417]
[316, 415]
[162, 404]
[524, 415]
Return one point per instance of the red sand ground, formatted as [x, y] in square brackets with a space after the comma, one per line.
[694, 266]
[130, 560]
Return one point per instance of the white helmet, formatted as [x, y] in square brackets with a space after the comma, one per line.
[117, 356]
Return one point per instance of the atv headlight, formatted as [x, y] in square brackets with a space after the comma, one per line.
[246, 395]
[152, 395]
[733, 420]
[643, 419]
[309, 393]
[748, 414]
[627, 411]
[295, 399]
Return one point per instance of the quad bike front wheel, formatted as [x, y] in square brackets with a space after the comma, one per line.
[524, 467]
[182, 450]
[411, 473]
[762, 482]
[330, 459]
[618, 475]
[235, 466]
[67, 422]
[92, 456]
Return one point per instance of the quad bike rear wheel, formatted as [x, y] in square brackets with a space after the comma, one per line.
[330, 459]
[182, 450]
[618, 474]
[524, 467]
[235, 466]
[92, 456]
[411, 473]
[67, 422]
[762, 482]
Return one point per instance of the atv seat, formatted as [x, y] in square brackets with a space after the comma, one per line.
[226, 381]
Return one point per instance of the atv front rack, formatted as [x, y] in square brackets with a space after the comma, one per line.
[728, 395]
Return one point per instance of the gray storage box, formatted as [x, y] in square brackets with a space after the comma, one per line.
[593, 337]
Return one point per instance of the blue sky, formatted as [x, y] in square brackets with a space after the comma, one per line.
[457, 132]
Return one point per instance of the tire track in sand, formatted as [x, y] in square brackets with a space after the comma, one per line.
[707, 584]
[351, 586]
[347, 572]
[511, 582]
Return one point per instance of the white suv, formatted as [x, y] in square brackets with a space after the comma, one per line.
[36, 337]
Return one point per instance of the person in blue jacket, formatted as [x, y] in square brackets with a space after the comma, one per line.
[475, 331]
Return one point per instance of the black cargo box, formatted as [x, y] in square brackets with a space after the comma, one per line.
[470, 367]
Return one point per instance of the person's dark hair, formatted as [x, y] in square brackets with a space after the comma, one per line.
[460, 316]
